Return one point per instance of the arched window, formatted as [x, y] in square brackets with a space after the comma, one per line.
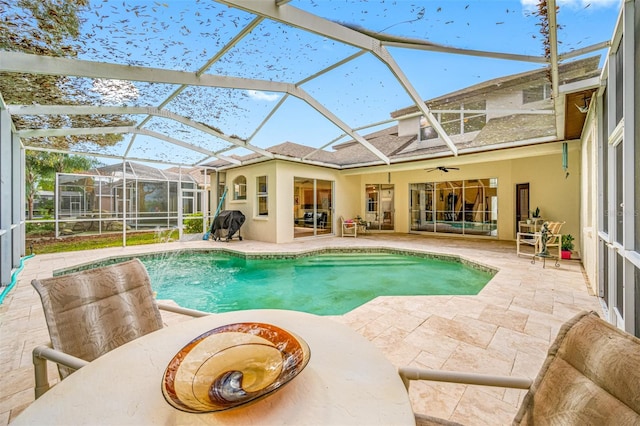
[240, 188]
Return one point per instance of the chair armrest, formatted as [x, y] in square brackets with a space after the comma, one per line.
[410, 373]
[526, 235]
[183, 311]
[40, 356]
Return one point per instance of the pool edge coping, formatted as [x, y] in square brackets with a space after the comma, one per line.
[287, 255]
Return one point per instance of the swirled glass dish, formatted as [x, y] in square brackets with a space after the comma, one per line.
[233, 365]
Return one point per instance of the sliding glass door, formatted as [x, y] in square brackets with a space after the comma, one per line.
[312, 207]
[467, 207]
[380, 211]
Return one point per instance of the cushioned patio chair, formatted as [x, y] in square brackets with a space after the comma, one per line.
[591, 376]
[349, 228]
[89, 313]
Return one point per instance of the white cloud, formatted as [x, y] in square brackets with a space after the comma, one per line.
[261, 96]
[573, 4]
[119, 91]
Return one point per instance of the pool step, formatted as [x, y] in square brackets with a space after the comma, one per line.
[358, 260]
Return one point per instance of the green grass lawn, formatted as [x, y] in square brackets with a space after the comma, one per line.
[90, 242]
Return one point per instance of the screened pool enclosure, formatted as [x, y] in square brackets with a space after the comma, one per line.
[124, 196]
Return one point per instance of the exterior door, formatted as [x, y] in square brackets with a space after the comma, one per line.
[380, 208]
[312, 207]
[522, 202]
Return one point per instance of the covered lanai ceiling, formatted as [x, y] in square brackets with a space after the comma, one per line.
[190, 82]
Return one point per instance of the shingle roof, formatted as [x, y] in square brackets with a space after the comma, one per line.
[386, 140]
[569, 72]
[500, 130]
[195, 173]
[141, 171]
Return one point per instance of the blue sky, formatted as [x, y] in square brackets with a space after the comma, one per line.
[183, 34]
[503, 26]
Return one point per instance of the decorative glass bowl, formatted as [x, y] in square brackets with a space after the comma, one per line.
[233, 365]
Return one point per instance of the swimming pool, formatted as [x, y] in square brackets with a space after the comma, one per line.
[323, 284]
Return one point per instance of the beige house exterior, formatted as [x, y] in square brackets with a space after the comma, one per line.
[469, 164]
[558, 197]
[579, 166]
[511, 142]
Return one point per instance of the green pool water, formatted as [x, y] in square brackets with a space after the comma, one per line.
[324, 284]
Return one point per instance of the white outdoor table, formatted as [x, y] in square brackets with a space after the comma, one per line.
[347, 381]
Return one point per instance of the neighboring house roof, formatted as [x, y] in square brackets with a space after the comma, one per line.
[139, 171]
[498, 130]
[195, 173]
[45, 194]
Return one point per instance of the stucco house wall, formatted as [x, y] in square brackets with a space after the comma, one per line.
[557, 195]
[511, 147]
[345, 199]
[541, 166]
[255, 227]
[277, 227]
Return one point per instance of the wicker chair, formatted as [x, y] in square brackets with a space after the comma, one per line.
[91, 312]
[591, 376]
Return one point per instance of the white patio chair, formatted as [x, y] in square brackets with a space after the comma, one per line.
[349, 228]
[528, 239]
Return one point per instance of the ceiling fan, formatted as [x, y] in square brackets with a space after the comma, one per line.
[442, 169]
[585, 105]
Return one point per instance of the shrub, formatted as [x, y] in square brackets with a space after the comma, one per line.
[193, 223]
[567, 242]
[38, 228]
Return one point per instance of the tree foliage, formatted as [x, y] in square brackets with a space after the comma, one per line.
[44, 27]
[41, 169]
[51, 28]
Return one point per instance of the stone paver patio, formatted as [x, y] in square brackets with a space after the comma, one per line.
[506, 329]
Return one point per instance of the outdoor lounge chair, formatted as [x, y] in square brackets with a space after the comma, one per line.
[527, 239]
[89, 313]
[349, 228]
[591, 376]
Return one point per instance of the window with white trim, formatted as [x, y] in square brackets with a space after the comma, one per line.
[456, 120]
[240, 188]
[536, 93]
[262, 196]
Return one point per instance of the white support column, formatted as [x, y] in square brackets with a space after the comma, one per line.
[630, 192]
[125, 202]
[6, 197]
[180, 205]
[609, 191]
[558, 102]
[18, 201]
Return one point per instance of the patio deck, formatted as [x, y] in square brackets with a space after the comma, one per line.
[506, 329]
